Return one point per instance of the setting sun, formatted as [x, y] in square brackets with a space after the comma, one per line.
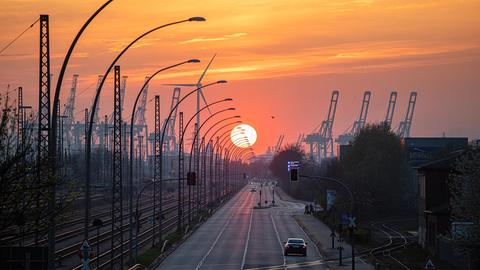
[243, 135]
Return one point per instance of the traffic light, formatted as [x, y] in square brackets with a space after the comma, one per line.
[191, 178]
[293, 174]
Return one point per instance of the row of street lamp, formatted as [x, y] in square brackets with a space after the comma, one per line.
[220, 149]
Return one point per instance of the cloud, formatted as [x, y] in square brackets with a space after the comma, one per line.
[119, 45]
[224, 37]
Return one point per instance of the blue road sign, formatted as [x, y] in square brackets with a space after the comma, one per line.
[352, 222]
[344, 219]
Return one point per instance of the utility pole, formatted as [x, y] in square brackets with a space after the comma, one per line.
[156, 170]
[116, 248]
[105, 148]
[44, 155]
[181, 170]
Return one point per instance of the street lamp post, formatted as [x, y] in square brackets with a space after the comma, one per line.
[210, 144]
[193, 144]
[352, 205]
[94, 107]
[179, 226]
[166, 122]
[203, 151]
[132, 121]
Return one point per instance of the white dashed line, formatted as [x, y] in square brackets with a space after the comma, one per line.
[279, 242]
[248, 239]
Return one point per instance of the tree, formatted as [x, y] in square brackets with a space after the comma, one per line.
[23, 197]
[464, 184]
[376, 170]
[303, 189]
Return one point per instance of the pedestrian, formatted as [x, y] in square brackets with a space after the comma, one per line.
[306, 210]
[311, 209]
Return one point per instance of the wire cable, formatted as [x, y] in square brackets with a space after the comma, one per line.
[21, 34]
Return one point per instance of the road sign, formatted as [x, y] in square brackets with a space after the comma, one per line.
[85, 246]
[351, 222]
[429, 265]
[85, 255]
[344, 219]
[295, 164]
[331, 195]
[293, 168]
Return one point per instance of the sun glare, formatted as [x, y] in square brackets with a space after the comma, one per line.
[243, 135]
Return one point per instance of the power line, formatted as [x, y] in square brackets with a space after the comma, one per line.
[21, 34]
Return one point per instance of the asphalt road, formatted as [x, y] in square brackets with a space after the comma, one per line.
[240, 237]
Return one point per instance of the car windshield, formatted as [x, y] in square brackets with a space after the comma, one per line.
[295, 241]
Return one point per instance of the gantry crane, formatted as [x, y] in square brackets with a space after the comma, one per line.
[140, 130]
[278, 146]
[358, 124]
[170, 142]
[300, 139]
[403, 130]
[95, 114]
[391, 109]
[95, 129]
[69, 112]
[321, 142]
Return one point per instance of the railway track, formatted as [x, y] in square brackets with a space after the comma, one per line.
[169, 224]
[395, 241]
[75, 222]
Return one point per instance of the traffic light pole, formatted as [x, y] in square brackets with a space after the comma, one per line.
[352, 204]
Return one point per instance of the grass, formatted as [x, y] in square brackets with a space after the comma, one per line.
[149, 256]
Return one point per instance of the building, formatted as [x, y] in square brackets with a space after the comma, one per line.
[435, 227]
[421, 150]
[433, 203]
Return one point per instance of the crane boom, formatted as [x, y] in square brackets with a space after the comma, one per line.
[95, 114]
[69, 111]
[391, 108]
[301, 138]
[362, 118]
[170, 140]
[279, 143]
[140, 112]
[321, 142]
[404, 127]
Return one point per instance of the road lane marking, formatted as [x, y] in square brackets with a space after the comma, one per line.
[279, 242]
[310, 239]
[248, 239]
[218, 236]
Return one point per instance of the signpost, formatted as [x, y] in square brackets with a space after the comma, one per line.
[352, 222]
[429, 265]
[85, 250]
[293, 168]
[331, 195]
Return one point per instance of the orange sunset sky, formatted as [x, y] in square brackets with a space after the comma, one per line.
[281, 58]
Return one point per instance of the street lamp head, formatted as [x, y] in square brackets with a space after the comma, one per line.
[193, 61]
[222, 81]
[237, 116]
[197, 19]
[231, 109]
[228, 99]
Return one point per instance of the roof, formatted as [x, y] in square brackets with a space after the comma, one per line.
[446, 163]
[300, 239]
